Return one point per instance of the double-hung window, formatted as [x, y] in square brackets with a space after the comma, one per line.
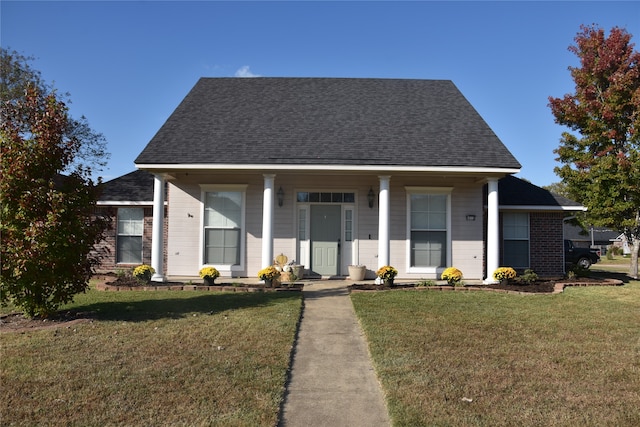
[429, 224]
[223, 224]
[129, 239]
[515, 232]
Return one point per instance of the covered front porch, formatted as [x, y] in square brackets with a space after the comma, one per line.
[418, 222]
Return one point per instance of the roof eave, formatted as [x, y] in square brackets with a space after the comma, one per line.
[530, 208]
[159, 167]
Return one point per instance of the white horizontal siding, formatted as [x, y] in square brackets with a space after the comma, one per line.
[184, 236]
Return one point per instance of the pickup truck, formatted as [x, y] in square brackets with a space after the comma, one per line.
[582, 257]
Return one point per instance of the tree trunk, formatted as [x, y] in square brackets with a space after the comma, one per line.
[633, 268]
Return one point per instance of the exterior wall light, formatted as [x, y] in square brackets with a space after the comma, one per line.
[471, 217]
[371, 197]
[280, 196]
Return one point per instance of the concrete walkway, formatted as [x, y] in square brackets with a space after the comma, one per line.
[332, 380]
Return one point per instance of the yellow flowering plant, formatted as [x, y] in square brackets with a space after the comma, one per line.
[387, 272]
[143, 272]
[268, 273]
[504, 273]
[452, 275]
[209, 273]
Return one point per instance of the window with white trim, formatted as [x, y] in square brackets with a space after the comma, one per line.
[515, 236]
[129, 238]
[222, 227]
[429, 234]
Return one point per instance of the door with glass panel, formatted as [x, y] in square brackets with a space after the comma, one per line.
[325, 239]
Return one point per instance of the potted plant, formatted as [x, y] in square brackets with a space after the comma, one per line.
[387, 274]
[357, 272]
[503, 274]
[144, 273]
[452, 275]
[298, 271]
[268, 274]
[209, 275]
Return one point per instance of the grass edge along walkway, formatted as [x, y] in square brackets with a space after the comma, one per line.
[487, 359]
[154, 358]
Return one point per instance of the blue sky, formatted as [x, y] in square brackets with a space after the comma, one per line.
[127, 65]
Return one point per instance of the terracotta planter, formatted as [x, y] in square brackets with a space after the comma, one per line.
[357, 272]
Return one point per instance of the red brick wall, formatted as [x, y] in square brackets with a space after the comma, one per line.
[106, 249]
[546, 245]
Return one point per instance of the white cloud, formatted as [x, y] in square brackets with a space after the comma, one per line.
[245, 72]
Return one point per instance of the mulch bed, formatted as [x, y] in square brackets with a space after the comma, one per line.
[538, 287]
[132, 284]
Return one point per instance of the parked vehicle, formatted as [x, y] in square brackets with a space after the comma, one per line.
[582, 257]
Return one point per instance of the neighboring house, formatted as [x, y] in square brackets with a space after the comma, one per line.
[333, 172]
[596, 237]
[128, 201]
[593, 236]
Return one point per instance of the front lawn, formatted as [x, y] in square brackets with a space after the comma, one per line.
[489, 359]
[153, 358]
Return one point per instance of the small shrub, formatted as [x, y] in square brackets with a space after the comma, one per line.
[387, 272]
[143, 273]
[529, 276]
[504, 273]
[268, 273]
[452, 275]
[209, 273]
[424, 283]
[609, 255]
[579, 271]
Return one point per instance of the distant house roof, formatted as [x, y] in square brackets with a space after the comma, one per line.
[326, 121]
[517, 193]
[134, 188]
[599, 235]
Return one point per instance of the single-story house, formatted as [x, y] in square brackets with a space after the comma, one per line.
[333, 172]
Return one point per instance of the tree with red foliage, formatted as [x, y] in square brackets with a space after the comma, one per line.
[601, 156]
[47, 226]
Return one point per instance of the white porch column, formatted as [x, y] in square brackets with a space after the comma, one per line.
[157, 233]
[383, 221]
[267, 221]
[493, 230]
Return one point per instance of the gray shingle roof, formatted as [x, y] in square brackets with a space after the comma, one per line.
[136, 186]
[326, 121]
[513, 191]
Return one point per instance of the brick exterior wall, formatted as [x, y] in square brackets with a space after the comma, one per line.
[106, 249]
[546, 246]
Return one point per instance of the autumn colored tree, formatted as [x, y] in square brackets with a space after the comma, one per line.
[601, 154]
[47, 222]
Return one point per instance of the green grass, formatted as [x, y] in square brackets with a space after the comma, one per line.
[154, 358]
[528, 360]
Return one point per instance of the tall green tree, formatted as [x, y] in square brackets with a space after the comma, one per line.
[601, 154]
[47, 222]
